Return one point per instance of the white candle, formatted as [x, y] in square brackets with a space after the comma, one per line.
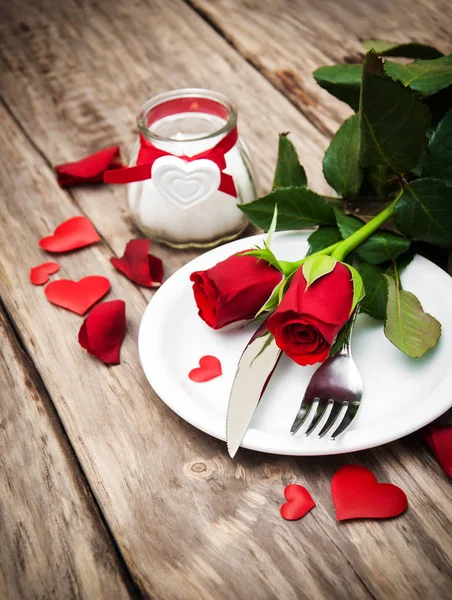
[216, 218]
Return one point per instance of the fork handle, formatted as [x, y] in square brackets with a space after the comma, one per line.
[346, 346]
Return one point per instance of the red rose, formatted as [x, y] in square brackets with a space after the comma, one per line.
[307, 321]
[234, 289]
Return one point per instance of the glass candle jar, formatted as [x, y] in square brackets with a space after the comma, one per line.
[194, 170]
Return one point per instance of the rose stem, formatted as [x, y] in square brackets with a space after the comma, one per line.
[365, 231]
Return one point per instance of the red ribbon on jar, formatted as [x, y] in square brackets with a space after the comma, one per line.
[148, 154]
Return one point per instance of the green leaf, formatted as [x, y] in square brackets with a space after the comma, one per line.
[376, 183]
[438, 163]
[275, 297]
[393, 121]
[340, 163]
[288, 172]
[272, 229]
[426, 77]
[298, 208]
[322, 238]
[374, 302]
[263, 254]
[406, 50]
[379, 247]
[316, 267]
[424, 211]
[358, 286]
[407, 326]
[342, 81]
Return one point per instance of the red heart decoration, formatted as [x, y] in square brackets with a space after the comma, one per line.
[139, 266]
[74, 233]
[439, 440]
[357, 495]
[299, 502]
[40, 274]
[90, 169]
[103, 330]
[77, 296]
[209, 368]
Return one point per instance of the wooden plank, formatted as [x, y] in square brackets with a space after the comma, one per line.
[189, 522]
[53, 542]
[75, 82]
[287, 41]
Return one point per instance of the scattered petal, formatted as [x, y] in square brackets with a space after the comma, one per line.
[209, 368]
[77, 296]
[299, 502]
[103, 331]
[40, 274]
[357, 495]
[90, 169]
[438, 436]
[74, 233]
[138, 265]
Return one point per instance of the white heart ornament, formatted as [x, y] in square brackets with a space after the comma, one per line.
[185, 183]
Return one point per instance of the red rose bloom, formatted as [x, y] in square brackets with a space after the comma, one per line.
[307, 321]
[234, 289]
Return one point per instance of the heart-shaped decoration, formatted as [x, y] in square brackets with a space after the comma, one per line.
[299, 502]
[70, 235]
[209, 368]
[77, 296]
[40, 274]
[357, 495]
[185, 183]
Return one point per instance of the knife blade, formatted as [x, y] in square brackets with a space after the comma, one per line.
[255, 368]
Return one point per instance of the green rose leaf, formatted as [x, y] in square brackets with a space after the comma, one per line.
[316, 267]
[358, 286]
[376, 182]
[426, 77]
[342, 81]
[390, 117]
[275, 297]
[322, 238]
[407, 326]
[438, 163]
[298, 208]
[374, 302]
[379, 247]
[288, 172]
[340, 163]
[424, 211]
[406, 50]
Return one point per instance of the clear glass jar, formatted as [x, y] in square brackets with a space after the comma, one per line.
[187, 201]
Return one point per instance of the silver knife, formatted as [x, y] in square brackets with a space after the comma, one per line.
[256, 366]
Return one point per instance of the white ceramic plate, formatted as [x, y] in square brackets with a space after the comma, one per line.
[400, 395]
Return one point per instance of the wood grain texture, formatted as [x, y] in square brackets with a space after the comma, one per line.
[189, 522]
[287, 40]
[53, 542]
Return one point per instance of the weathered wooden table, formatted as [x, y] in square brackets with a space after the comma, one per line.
[104, 492]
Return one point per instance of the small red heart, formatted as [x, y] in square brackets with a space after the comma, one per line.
[77, 296]
[40, 274]
[74, 233]
[209, 368]
[357, 495]
[299, 502]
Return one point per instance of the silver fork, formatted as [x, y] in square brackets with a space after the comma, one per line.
[335, 387]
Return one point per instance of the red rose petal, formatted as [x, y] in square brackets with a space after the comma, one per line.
[439, 439]
[74, 233]
[103, 331]
[77, 296]
[209, 368]
[139, 266]
[90, 169]
[357, 495]
[299, 502]
[40, 274]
